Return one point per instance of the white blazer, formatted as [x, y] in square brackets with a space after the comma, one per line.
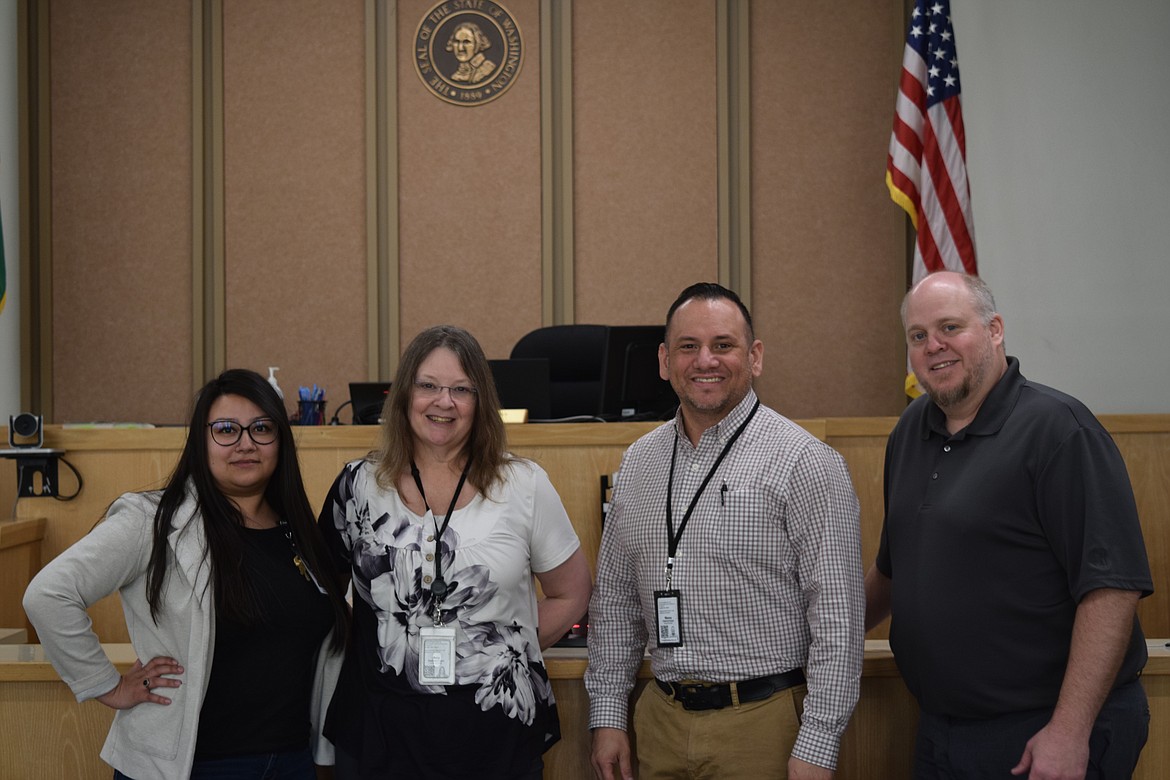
[149, 740]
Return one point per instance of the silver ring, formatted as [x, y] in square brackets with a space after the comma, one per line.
[146, 683]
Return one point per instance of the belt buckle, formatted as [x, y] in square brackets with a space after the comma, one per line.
[699, 696]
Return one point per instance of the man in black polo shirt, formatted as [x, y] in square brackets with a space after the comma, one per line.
[1011, 560]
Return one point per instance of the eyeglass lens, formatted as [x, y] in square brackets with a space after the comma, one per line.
[227, 432]
[458, 392]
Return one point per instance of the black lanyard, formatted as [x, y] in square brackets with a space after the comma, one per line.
[439, 585]
[673, 539]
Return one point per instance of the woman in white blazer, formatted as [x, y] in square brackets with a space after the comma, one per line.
[237, 623]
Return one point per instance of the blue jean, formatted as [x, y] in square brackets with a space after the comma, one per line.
[961, 749]
[293, 765]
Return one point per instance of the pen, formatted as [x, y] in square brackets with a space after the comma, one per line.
[723, 495]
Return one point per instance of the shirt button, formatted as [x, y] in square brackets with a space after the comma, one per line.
[934, 475]
[947, 448]
[694, 467]
[430, 557]
[427, 579]
[431, 538]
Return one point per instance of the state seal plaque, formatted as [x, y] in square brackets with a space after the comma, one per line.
[468, 52]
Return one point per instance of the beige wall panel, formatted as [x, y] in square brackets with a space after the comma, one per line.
[470, 197]
[646, 155]
[828, 247]
[121, 210]
[294, 191]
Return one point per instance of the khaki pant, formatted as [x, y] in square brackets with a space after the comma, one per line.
[753, 740]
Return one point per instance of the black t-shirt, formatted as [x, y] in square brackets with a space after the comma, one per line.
[993, 536]
[259, 694]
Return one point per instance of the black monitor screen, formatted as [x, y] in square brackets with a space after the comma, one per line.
[631, 385]
[523, 383]
[368, 398]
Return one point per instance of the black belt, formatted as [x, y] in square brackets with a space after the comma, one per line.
[716, 696]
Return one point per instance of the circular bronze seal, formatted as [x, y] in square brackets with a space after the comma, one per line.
[468, 52]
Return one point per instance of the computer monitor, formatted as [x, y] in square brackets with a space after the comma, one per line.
[631, 388]
[367, 400]
[523, 383]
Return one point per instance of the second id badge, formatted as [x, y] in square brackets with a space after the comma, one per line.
[668, 614]
[436, 656]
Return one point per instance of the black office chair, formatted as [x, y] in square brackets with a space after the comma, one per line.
[576, 355]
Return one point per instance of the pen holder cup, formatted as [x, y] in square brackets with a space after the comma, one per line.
[310, 413]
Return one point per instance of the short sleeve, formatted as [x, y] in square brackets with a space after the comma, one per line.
[553, 537]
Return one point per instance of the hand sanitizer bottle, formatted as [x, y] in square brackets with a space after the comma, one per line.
[272, 381]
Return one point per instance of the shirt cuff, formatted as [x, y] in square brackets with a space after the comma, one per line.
[817, 747]
[611, 712]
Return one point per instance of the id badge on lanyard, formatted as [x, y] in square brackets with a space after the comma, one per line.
[436, 655]
[436, 644]
[668, 617]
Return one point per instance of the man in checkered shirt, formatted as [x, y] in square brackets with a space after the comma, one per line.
[746, 586]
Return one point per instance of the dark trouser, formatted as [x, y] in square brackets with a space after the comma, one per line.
[349, 768]
[293, 765]
[964, 749]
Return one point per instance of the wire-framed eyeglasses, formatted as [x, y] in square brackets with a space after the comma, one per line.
[225, 433]
[459, 393]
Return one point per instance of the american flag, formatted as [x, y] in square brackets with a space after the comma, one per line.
[926, 170]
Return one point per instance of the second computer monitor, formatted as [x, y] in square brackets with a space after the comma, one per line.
[523, 383]
[632, 387]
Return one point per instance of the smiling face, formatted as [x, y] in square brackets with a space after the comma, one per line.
[956, 355]
[244, 468]
[709, 360]
[440, 421]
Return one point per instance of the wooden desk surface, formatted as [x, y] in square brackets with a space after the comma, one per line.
[14, 533]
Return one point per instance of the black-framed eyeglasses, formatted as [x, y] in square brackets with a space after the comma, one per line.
[459, 393]
[225, 433]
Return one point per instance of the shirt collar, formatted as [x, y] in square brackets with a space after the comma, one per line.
[993, 412]
[725, 427]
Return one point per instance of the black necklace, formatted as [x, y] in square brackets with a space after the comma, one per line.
[439, 585]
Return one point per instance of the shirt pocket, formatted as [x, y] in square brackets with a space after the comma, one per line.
[750, 530]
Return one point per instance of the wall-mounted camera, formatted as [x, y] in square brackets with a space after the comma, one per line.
[36, 466]
[26, 430]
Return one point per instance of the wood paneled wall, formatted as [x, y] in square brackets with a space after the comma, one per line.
[294, 190]
[828, 268]
[270, 183]
[646, 156]
[118, 308]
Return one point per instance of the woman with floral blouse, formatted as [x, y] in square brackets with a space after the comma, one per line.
[442, 531]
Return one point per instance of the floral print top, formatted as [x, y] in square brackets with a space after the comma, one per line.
[488, 551]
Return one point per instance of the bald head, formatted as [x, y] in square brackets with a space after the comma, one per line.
[982, 301]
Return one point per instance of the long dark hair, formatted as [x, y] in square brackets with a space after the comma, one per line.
[285, 493]
[487, 442]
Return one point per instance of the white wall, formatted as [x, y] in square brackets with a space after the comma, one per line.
[10, 214]
[1067, 109]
